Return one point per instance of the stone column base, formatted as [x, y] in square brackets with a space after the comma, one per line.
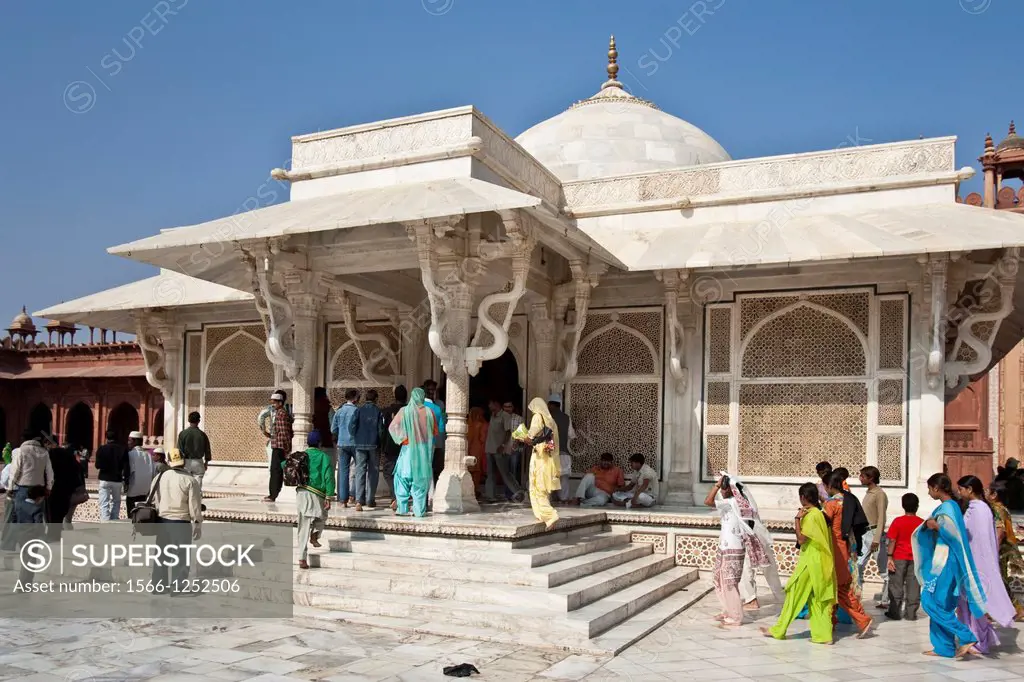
[455, 493]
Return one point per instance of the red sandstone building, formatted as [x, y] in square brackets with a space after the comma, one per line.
[75, 390]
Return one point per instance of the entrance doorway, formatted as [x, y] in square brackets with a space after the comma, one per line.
[40, 420]
[123, 420]
[499, 380]
[79, 427]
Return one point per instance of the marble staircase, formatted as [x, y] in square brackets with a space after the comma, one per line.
[589, 589]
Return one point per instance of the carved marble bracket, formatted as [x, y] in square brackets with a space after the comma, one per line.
[274, 309]
[522, 238]
[384, 351]
[152, 332]
[1000, 281]
[674, 282]
[935, 290]
[570, 330]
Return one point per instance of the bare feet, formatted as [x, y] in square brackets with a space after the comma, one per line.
[929, 653]
[967, 650]
[268, 498]
[752, 605]
[302, 564]
[359, 507]
[394, 505]
[766, 632]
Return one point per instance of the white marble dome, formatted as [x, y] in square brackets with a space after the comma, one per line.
[615, 133]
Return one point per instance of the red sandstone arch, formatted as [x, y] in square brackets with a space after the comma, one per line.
[78, 426]
[123, 420]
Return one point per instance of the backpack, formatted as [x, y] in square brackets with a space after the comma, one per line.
[296, 469]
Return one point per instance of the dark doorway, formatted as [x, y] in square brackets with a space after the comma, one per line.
[40, 420]
[123, 420]
[158, 423]
[3, 427]
[78, 430]
[498, 379]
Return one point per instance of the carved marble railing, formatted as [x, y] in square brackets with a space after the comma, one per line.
[918, 161]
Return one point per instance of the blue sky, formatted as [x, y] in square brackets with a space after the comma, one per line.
[120, 118]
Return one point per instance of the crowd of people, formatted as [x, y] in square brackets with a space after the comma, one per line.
[961, 565]
[44, 483]
[407, 437]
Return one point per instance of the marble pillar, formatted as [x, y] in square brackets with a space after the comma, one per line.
[931, 348]
[542, 333]
[454, 492]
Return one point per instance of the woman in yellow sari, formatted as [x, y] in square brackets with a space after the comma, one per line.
[544, 466]
[814, 580]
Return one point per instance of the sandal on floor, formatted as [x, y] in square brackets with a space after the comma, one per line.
[303, 564]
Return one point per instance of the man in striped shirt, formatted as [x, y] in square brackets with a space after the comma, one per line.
[280, 443]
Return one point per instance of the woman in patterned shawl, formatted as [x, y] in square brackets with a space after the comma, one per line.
[751, 516]
[414, 429]
[736, 542]
[1011, 564]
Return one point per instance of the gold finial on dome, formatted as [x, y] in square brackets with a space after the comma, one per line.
[613, 62]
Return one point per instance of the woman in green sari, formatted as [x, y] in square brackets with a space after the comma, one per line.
[813, 582]
[414, 428]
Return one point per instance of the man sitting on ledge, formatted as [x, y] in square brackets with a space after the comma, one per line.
[603, 481]
[644, 492]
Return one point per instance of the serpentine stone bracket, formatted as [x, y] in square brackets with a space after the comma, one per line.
[570, 328]
[154, 355]
[522, 239]
[275, 310]
[384, 351]
[982, 320]
[441, 295]
[674, 282]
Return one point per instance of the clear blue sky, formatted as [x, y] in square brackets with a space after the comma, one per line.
[186, 125]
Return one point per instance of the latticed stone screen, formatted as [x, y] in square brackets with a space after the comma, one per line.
[615, 400]
[230, 422]
[797, 377]
[237, 380]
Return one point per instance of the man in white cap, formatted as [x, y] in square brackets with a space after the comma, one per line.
[280, 443]
[140, 473]
[565, 434]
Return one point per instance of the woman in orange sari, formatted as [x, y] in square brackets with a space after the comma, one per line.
[476, 434]
[841, 554]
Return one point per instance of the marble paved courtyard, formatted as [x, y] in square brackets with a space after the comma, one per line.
[299, 649]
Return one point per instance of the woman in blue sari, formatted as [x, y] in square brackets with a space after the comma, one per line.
[946, 571]
[414, 428]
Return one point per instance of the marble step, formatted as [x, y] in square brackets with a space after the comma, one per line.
[467, 542]
[492, 553]
[584, 623]
[448, 583]
[549, 575]
[609, 611]
[633, 629]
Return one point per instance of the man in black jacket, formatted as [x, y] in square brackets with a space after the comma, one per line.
[112, 471]
[390, 448]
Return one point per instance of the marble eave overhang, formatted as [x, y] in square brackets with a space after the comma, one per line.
[118, 308]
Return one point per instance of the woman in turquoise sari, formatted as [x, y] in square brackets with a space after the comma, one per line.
[945, 568]
[414, 428]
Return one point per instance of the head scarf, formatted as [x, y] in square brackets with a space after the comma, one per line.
[540, 409]
[734, 483]
[414, 428]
